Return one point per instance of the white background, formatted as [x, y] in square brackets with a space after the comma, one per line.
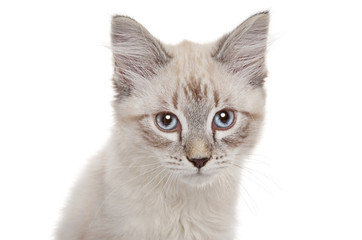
[55, 91]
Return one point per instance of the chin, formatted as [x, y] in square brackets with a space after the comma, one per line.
[198, 179]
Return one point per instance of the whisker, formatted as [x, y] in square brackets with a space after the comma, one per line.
[260, 183]
[167, 186]
[154, 178]
[252, 207]
[165, 175]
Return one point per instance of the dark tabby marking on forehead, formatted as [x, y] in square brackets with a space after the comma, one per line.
[205, 89]
[195, 90]
[175, 99]
[216, 98]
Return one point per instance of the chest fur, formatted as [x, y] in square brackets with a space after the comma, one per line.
[172, 218]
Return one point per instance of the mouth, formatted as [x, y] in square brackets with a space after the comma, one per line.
[198, 178]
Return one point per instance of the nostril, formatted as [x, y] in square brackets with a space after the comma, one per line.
[198, 162]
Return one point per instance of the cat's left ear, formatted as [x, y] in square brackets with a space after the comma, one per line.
[243, 50]
[137, 54]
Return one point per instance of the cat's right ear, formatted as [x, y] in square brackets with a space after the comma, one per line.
[137, 54]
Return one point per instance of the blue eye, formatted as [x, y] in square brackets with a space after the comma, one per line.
[223, 120]
[167, 121]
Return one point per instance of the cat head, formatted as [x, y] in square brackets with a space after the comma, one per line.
[196, 109]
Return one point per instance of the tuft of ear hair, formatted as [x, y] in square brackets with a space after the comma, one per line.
[243, 50]
[137, 54]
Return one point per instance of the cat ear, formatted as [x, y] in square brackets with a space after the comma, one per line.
[137, 54]
[243, 50]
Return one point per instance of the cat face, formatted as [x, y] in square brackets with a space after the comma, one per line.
[196, 108]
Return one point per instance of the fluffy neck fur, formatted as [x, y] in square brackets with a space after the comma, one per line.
[148, 183]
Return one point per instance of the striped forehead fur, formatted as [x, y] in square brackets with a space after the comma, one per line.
[194, 82]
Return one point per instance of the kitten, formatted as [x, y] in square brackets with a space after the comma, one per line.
[185, 117]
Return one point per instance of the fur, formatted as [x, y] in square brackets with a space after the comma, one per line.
[143, 184]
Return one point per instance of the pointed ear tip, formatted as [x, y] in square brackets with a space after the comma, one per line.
[121, 19]
[116, 18]
[265, 15]
[266, 12]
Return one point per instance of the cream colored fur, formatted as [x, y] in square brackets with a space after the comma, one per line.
[130, 189]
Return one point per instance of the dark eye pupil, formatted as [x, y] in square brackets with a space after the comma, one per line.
[224, 117]
[167, 119]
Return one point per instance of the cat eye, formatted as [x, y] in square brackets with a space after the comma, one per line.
[223, 120]
[167, 122]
